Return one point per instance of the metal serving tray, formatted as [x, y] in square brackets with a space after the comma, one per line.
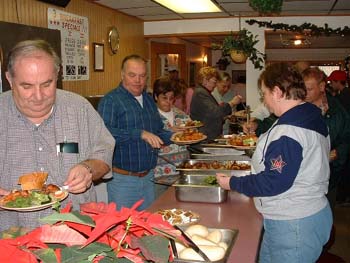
[219, 157]
[222, 151]
[229, 236]
[191, 188]
[206, 172]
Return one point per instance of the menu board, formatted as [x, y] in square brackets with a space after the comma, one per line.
[74, 43]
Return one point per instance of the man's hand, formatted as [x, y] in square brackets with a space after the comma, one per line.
[333, 155]
[4, 192]
[152, 139]
[79, 179]
[223, 180]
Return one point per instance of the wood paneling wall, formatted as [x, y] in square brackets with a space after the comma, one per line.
[34, 13]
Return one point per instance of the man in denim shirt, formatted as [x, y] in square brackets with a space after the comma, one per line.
[132, 117]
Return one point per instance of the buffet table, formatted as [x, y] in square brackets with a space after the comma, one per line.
[238, 212]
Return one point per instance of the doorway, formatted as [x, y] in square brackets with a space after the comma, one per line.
[166, 56]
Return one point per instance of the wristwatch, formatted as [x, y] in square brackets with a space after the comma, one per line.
[113, 39]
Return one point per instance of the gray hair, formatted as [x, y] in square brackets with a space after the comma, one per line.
[29, 47]
[132, 57]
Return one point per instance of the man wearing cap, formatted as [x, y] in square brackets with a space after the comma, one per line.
[337, 80]
[173, 73]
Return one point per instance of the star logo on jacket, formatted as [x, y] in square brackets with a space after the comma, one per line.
[277, 164]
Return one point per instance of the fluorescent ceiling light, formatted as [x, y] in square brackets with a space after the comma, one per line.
[190, 6]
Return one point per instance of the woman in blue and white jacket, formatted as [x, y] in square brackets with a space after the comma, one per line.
[290, 172]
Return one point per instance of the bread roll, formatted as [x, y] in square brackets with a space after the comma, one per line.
[33, 181]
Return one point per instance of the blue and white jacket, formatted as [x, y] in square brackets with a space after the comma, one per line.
[290, 166]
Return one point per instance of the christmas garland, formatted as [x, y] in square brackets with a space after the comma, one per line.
[306, 28]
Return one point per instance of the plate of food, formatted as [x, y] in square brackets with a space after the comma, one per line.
[243, 141]
[241, 114]
[34, 194]
[189, 136]
[190, 124]
[32, 200]
[179, 217]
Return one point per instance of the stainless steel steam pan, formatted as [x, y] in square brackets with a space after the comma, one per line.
[191, 188]
[229, 236]
[211, 171]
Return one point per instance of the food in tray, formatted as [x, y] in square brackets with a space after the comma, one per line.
[243, 140]
[30, 198]
[210, 180]
[210, 241]
[216, 165]
[188, 135]
[178, 216]
[191, 123]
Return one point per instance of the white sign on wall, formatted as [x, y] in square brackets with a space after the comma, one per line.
[74, 43]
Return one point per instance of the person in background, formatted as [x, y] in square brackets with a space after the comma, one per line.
[205, 108]
[239, 88]
[46, 129]
[183, 96]
[132, 117]
[223, 93]
[337, 81]
[338, 122]
[173, 118]
[173, 73]
[290, 172]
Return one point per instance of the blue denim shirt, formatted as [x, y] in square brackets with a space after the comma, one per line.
[125, 118]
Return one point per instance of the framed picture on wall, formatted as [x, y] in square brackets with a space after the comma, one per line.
[98, 56]
[238, 76]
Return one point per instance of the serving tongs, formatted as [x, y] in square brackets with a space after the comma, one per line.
[173, 238]
[192, 244]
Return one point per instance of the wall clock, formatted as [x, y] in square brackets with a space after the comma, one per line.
[113, 39]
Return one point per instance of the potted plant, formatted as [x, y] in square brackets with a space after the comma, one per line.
[222, 63]
[266, 7]
[96, 233]
[242, 46]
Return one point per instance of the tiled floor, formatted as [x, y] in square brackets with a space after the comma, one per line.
[341, 245]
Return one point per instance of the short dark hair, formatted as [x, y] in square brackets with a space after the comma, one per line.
[286, 77]
[163, 85]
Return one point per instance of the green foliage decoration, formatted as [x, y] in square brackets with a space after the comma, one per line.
[266, 6]
[305, 28]
[244, 42]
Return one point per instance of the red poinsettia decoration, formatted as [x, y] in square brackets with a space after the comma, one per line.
[98, 233]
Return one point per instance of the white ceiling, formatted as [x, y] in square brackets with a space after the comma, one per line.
[148, 10]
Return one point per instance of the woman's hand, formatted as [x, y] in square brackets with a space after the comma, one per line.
[223, 180]
[250, 127]
[236, 100]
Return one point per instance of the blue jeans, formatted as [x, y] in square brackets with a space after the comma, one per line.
[298, 240]
[126, 190]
